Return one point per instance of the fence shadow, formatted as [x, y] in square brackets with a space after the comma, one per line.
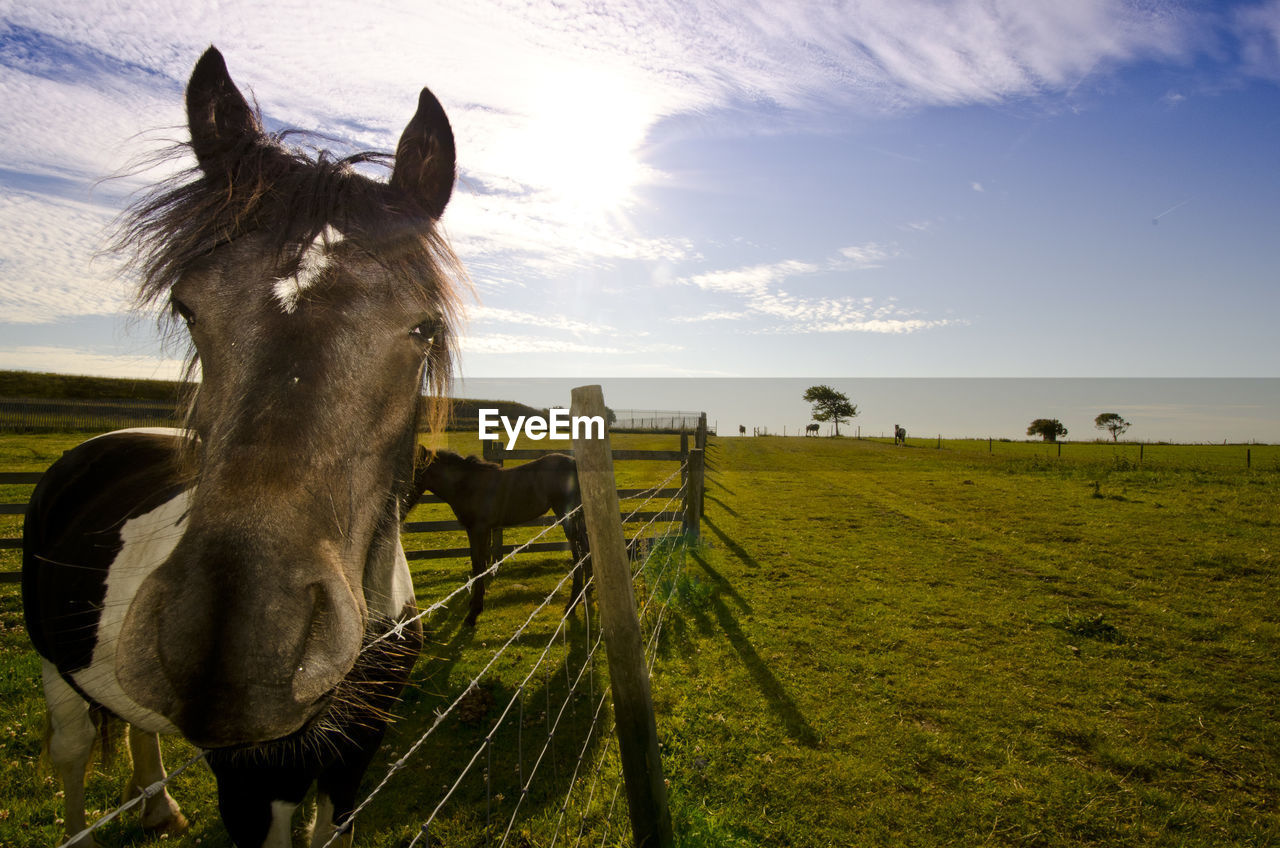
[780, 703]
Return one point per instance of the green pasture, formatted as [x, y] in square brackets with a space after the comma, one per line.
[873, 645]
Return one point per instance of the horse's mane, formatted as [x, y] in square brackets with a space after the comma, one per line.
[287, 196]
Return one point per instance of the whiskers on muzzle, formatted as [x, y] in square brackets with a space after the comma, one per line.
[358, 709]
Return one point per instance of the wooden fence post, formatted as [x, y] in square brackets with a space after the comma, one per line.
[693, 496]
[628, 674]
[702, 459]
[684, 460]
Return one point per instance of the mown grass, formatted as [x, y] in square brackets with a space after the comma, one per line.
[873, 646]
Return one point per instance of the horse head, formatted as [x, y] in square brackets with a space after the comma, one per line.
[319, 302]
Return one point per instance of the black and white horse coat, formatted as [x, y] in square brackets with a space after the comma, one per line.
[101, 520]
[241, 582]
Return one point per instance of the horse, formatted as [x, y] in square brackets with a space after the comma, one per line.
[811, 430]
[485, 497]
[742, 429]
[899, 435]
[240, 580]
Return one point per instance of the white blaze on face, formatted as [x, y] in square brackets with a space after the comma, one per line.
[315, 259]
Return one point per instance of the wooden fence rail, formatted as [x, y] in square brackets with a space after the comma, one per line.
[493, 452]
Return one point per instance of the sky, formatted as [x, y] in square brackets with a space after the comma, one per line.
[713, 190]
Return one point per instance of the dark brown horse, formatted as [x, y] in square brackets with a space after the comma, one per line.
[485, 497]
[230, 581]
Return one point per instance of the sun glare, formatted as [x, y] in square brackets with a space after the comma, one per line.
[582, 141]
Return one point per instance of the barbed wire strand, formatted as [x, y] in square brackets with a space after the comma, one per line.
[501, 718]
[145, 795]
[552, 727]
[441, 715]
[398, 628]
[586, 743]
[158, 786]
[608, 819]
[520, 689]
[597, 770]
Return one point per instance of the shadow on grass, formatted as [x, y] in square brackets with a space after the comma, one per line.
[776, 697]
[724, 506]
[712, 481]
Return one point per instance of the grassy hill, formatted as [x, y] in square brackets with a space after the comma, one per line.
[35, 384]
[38, 386]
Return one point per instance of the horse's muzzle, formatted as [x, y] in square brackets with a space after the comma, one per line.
[238, 669]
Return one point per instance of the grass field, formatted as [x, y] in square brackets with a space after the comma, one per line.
[875, 645]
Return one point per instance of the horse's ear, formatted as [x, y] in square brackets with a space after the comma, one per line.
[221, 121]
[425, 157]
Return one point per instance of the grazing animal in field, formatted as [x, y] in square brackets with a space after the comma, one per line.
[742, 429]
[485, 497]
[241, 581]
[899, 435]
[811, 430]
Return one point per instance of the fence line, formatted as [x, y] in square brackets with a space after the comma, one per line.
[486, 745]
[142, 796]
[646, 496]
[441, 715]
[450, 525]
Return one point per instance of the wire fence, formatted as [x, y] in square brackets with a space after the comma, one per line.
[578, 809]
[47, 415]
[655, 421]
[579, 674]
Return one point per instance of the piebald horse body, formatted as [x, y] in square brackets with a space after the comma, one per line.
[230, 581]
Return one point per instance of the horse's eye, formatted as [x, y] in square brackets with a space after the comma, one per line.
[426, 331]
[183, 311]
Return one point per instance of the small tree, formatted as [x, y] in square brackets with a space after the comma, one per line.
[1112, 423]
[1049, 428]
[830, 405]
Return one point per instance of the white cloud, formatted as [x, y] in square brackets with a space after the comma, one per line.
[869, 255]
[552, 104]
[506, 343]
[495, 315]
[753, 280]
[1258, 28]
[556, 108]
[977, 186]
[710, 316]
[758, 289]
[47, 267]
[66, 360]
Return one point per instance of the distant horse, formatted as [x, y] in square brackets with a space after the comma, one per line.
[231, 581]
[899, 435]
[742, 429]
[485, 497]
[811, 430]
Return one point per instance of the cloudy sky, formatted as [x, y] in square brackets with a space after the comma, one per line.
[1004, 188]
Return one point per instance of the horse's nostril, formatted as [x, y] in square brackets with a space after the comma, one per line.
[331, 644]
